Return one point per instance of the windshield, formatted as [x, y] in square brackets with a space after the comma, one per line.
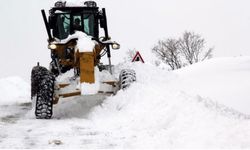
[67, 24]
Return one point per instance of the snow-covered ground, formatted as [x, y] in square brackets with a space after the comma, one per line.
[200, 106]
[13, 90]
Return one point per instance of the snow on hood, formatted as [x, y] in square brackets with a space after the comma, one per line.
[84, 42]
[14, 90]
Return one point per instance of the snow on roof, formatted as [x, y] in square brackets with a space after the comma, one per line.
[74, 3]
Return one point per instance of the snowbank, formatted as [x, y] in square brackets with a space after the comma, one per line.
[14, 90]
[224, 80]
[158, 112]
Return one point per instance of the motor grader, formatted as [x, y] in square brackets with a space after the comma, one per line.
[71, 30]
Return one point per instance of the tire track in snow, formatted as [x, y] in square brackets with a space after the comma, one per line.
[10, 115]
[68, 128]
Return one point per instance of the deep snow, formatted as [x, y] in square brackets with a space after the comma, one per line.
[13, 90]
[200, 106]
[223, 80]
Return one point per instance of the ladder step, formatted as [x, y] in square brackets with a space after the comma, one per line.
[63, 85]
[70, 94]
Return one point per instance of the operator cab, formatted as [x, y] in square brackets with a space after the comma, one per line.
[65, 20]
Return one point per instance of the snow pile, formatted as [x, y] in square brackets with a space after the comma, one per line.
[156, 112]
[224, 80]
[14, 90]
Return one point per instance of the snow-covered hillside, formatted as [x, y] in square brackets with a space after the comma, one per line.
[13, 90]
[177, 110]
[223, 80]
[200, 106]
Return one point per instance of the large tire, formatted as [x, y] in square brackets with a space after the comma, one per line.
[127, 76]
[36, 75]
[42, 91]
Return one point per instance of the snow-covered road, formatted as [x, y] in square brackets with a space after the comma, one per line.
[69, 128]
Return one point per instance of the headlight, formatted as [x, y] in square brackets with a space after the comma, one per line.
[52, 46]
[115, 46]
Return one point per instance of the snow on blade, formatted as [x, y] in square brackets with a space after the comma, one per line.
[89, 89]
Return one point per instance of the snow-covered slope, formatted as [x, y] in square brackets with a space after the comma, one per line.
[177, 110]
[224, 80]
[200, 106]
[14, 90]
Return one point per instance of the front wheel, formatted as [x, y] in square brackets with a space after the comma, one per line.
[127, 76]
[42, 92]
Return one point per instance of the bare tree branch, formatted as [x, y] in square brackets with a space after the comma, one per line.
[189, 49]
[168, 52]
[192, 48]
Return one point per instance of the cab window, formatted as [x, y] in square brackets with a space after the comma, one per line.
[62, 26]
[65, 25]
[89, 24]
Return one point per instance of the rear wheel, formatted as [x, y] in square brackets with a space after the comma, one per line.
[127, 76]
[42, 91]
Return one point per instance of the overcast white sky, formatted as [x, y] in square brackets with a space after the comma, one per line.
[225, 24]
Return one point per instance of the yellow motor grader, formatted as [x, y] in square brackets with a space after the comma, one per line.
[76, 46]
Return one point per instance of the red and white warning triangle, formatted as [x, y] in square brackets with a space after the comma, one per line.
[138, 57]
